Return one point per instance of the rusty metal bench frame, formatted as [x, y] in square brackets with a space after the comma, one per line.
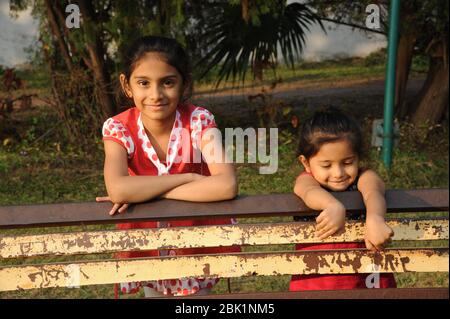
[71, 274]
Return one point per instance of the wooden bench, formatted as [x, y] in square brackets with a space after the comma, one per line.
[396, 259]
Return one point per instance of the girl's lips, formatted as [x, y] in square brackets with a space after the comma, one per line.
[156, 107]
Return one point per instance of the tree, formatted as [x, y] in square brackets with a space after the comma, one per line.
[423, 31]
[242, 34]
[82, 61]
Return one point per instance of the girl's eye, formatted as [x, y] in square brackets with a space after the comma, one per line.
[143, 83]
[325, 166]
[348, 163]
[169, 83]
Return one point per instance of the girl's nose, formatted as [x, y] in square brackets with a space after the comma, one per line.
[338, 172]
[155, 93]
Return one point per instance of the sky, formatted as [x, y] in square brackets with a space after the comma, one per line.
[15, 35]
[18, 34]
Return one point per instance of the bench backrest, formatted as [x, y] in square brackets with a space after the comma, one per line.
[91, 272]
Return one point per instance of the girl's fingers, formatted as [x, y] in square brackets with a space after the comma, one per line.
[319, 233]
[327, 234]
[320, 217]
[114, 209]
[123, 208]
[369, 245]
[321, 225]
[102, 199]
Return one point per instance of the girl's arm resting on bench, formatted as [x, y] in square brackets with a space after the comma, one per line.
[377, 232]
[331, 220]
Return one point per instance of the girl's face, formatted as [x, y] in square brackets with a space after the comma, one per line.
[155, 87]
[335, 166]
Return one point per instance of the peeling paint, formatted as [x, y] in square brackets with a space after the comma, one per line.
[246, 264]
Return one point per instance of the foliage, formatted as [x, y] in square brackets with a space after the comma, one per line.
[376, 58]
[236, 43]
[423, 31]
[83, 62]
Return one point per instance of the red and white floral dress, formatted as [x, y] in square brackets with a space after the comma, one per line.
[190, 123]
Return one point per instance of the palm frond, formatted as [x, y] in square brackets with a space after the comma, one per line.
[236, 45]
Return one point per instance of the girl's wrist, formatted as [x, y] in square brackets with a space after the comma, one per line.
[335, 203]
[374, 218]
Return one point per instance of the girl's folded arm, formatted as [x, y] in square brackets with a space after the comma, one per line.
[221, 185]
[123, 188]
[314, 196]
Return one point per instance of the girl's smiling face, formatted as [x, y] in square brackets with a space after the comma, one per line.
[335, 166]
[155, 86]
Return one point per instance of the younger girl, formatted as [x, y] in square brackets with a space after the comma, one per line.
[330, 151]
[146, 147]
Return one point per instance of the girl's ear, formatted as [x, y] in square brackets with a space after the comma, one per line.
[302, 159]
[125, 87]
[187, 90]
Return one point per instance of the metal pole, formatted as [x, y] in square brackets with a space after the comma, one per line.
[389, 96]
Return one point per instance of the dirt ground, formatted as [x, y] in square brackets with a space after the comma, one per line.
[353, 95]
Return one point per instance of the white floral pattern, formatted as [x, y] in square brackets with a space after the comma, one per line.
[115, 129]
[172, 149]
[200, 119]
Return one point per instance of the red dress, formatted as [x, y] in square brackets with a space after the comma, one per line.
[340, 281]
[182, 156]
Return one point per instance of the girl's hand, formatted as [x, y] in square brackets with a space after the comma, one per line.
[121, 208]
[377, 233]
[331, 220]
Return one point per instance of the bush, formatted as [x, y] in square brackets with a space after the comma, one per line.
[376, 58]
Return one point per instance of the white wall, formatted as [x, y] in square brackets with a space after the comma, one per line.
[340, 41]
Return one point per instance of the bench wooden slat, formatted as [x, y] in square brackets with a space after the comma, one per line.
[225, 265]
[388, 293]
[204, 236]
[244, 206]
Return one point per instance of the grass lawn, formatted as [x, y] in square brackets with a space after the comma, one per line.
[47, 170]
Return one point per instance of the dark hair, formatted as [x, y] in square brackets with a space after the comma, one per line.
[329, 126]
[168, 48]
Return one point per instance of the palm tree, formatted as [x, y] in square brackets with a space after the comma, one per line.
[238, 36]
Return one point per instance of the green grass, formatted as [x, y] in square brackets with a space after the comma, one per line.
[372, 66]
[320, 71]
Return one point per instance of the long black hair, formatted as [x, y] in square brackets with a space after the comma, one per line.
[328, 126]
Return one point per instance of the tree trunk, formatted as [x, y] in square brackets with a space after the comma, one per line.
[55, 27]
[432, 101]
[404, 58]
[96, 62]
